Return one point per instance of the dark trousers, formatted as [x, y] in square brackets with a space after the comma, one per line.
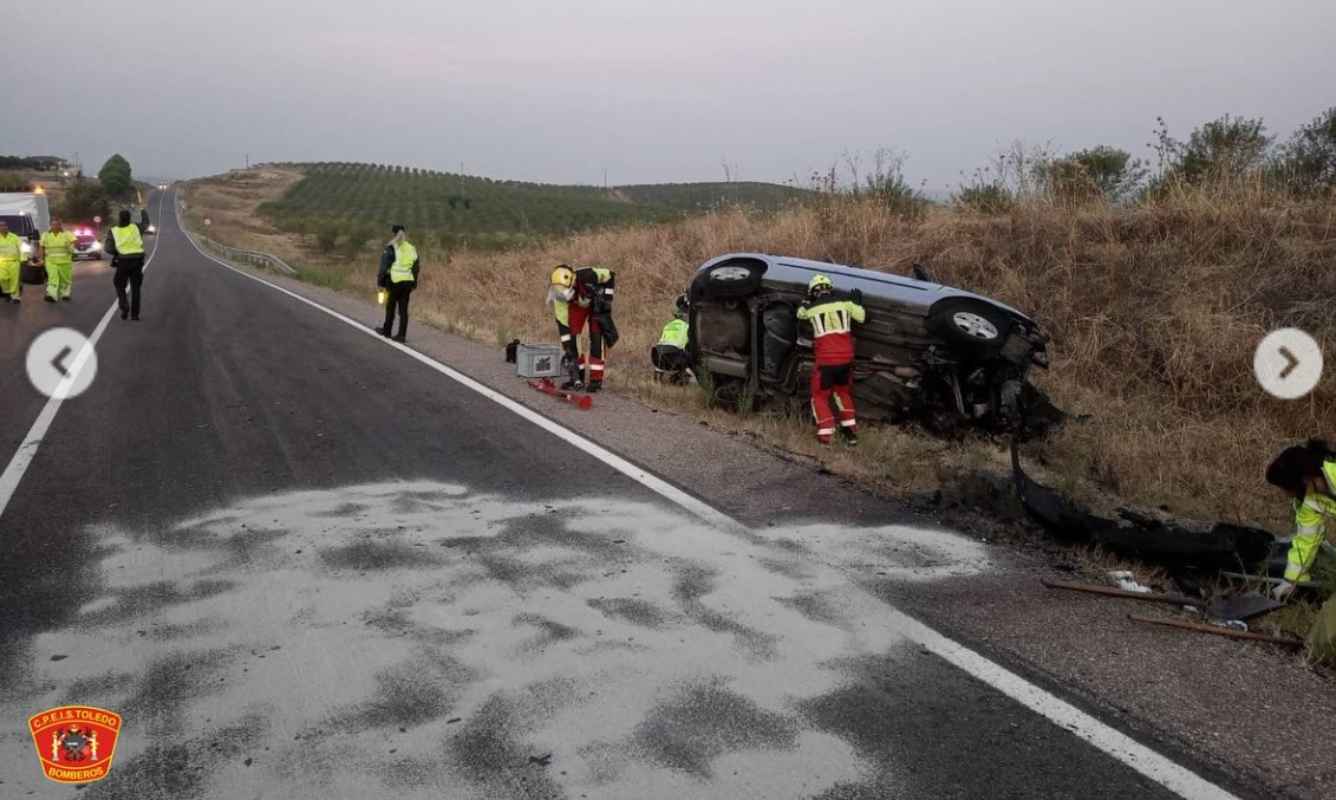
[129, 269]
[398, 297]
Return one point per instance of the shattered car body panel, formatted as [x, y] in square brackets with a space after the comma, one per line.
[927, 350]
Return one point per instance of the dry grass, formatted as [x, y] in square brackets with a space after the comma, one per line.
[1154, 311]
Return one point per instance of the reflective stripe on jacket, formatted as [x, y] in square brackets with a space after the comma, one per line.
[11, 250]
[405, 257]
[128, 240]
[58, 248]
[588, 280]
[675, 334]
[1310, 528]
[832, 328]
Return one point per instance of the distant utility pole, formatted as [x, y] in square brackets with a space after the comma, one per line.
[248, 161]
[605, 179]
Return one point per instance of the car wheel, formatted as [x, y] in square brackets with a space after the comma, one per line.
[971, 325]
[729, 280]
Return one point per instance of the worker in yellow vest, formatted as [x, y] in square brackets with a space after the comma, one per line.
[398, 277]
[578, 296]
[125, 242]
[11, 260]
[1307, 473]
[832, 318]
[669, 356]
[56, 251]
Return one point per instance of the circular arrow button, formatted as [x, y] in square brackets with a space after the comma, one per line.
[1288, 363]
[61, 363]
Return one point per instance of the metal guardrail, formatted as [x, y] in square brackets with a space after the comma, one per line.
[236, 255]
[253, 258]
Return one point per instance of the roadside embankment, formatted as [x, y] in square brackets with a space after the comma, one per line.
[1154, 310]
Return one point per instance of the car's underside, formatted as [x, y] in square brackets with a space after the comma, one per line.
[909, 365]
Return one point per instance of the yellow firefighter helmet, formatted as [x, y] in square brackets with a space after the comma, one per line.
[563, 276]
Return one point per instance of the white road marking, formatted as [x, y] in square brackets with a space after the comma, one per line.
[1114, 743]
[27, 450]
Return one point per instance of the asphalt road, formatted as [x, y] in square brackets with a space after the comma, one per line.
[303, 564]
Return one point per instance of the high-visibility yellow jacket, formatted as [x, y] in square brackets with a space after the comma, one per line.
[1310, 527]
[832, 327]
[58, 248]
[405, 263]
[11, 250]
[588, 282]
[675, 334]
[128, 240]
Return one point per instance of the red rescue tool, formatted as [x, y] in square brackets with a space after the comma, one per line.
[546, 386]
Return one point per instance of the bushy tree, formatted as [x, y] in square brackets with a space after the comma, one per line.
[38, 163]
[886, 182]
[115, 176]
[1224, 148]
[327, 237]
[1307, 162]
[1113, 171]
[84, 200]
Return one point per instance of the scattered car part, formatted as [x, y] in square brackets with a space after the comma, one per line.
[545, 385]
[1217, 630]
[1151, 597]
[1266, 580]
[1243, 606]
[1140, 534]
[1232, 607]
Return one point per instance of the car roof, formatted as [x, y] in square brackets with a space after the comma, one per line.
[788, 269]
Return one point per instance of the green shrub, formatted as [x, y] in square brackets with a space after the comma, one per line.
[327, 237]
[115, 176]
[986, 198]
[1307, 162]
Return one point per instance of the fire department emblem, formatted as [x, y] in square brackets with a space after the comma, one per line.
[75, 743]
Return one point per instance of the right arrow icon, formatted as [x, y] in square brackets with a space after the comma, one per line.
[1288, 363]
[1293, 362]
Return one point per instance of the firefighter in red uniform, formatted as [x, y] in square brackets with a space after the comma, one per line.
[578, 296]
[833, 340]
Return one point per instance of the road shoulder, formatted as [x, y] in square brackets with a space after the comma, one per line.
[1212, 701]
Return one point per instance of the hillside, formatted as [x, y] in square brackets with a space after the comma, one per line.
[1154, 308]
[705, 196]
[482, 212]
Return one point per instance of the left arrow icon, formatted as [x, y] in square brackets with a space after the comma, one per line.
[56, 362]
[61, 363]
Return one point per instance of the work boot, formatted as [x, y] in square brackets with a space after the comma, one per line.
[595, 385]
[850, 433]
[48, 298]
[67, 299]
[383, 331]
[125, 313]
[574, 384]
[401, 338]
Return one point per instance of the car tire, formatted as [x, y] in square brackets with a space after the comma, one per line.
[970, 325]
[728, 281]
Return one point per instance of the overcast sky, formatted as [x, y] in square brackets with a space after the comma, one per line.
[650, 90]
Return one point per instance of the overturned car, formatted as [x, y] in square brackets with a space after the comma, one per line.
[930, 352]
